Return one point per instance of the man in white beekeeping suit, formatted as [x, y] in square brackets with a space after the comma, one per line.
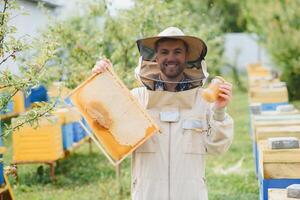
[171, 165]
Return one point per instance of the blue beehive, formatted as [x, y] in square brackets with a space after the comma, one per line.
[271, 106]
[37, 94]
[79, 132]
[67, 134]
[1, 161]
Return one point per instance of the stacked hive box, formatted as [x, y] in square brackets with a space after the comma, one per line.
[267, 95]
[266, 126]
[277, 168]
[265, 89]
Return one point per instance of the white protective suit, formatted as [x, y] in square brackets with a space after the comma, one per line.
[171, 165]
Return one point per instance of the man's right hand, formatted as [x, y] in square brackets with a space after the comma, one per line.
[101, 66]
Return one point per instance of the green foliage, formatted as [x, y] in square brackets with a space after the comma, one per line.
[32, 63]
[278, 25]
[96, 33]
[147, 18]
[231, 14]
[80, 46]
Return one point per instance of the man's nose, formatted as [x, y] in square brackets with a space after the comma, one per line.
[171, 57]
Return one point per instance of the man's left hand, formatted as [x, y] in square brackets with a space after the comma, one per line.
[225, 95]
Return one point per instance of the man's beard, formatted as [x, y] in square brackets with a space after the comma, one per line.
[172, 69]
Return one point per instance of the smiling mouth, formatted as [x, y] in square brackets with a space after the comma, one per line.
[171, 65]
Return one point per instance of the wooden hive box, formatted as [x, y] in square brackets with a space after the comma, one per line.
[278, 194]
[275, 112]
[276, 117]
[271, 95]
[263, 133]
[256, 70]
[38, 145]
[19, 102]
[119, 123]
[278, 163]
[259, 82]
[275, 120]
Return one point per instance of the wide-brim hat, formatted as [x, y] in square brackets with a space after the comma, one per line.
[197, 48]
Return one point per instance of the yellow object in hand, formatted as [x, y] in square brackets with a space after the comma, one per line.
[212, 92]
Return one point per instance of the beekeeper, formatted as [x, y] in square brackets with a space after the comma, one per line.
[171, 165]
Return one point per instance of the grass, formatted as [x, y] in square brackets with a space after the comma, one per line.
[90, 176]
[232, 175]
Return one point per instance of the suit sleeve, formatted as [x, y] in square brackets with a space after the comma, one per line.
[220, 131]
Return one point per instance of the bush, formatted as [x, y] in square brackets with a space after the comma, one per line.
[278, 24]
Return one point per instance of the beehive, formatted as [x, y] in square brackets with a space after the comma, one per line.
[263, 133]
[119, 123]
[278, 163]
[258, 82]
[256, 70]
[268, 95]
[275, 120]
[278, 194]
[19, 102]
[40, 144]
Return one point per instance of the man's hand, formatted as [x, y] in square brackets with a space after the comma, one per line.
[101, 66]
[224, 96]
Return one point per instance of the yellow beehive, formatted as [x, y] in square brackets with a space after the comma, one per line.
[272, 95]
[278, 194]
[258, 82]
[256, 70]
[119, 123]
[278, 163]
[40, 144]
[19, 102]
[276, 123]
[263, 133]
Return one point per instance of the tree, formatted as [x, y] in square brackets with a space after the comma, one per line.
[32, 66]
[278, 25]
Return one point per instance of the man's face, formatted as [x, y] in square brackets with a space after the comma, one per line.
[171, 57]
